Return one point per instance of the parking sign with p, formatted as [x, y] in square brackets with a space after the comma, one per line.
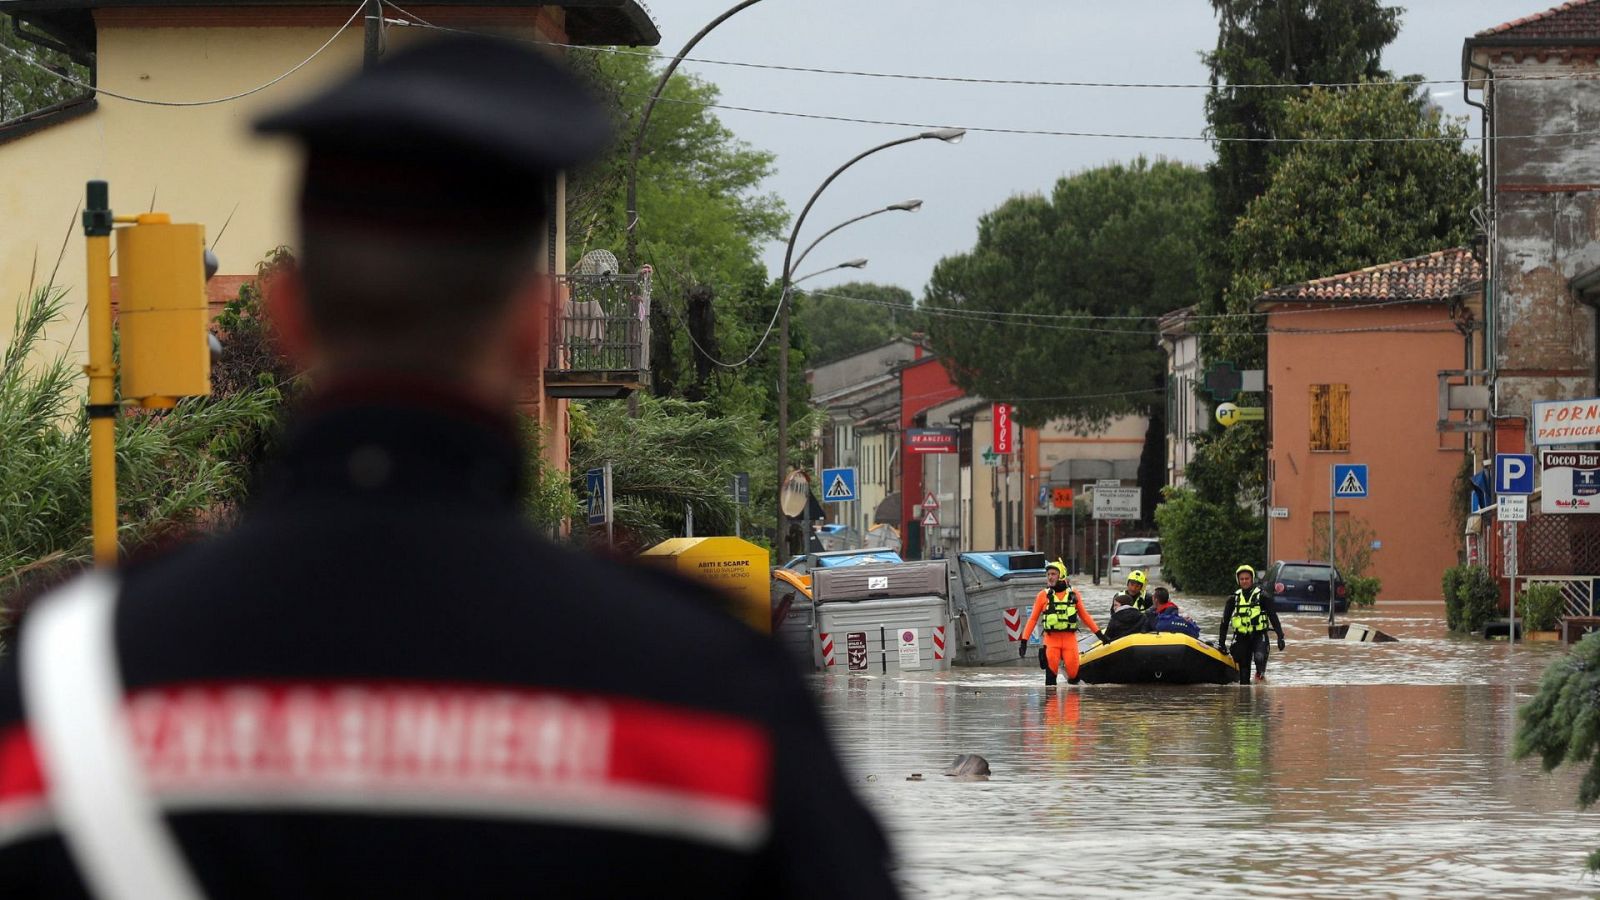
[1513, 474]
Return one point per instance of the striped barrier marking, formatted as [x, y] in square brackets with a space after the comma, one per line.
[938, 642]
[1013, 624]
[827, 648]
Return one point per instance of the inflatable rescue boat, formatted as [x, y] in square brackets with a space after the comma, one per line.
[1160, 657]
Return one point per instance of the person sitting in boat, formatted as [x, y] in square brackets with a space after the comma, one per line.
[1125, 619]
[1166, 616]
[1133, 595]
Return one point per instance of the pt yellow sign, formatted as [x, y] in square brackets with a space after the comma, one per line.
[1230, 415]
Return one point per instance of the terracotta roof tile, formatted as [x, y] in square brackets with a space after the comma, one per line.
[1436, 277]
[1577, 19]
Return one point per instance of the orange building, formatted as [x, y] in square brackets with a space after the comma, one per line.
[1353, 365]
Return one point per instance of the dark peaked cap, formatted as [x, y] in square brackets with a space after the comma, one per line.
[462, 98]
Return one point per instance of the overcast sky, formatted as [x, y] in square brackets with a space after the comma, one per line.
[1056, 40]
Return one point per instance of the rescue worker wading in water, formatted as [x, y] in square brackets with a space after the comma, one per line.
[1249, 614]
[1061, 609]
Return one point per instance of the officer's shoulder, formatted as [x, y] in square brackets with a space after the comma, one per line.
[665, 596]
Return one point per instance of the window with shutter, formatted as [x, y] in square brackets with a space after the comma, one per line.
[1339, 417]
[1330, 417]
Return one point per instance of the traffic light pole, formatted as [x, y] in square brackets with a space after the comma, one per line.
[102, 372]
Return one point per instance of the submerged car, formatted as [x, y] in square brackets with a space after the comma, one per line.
[1134, 554]
[1305, 586]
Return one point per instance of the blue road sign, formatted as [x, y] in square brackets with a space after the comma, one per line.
[1350, 480]
[1513, 473]
[595, 480]
[838, 485]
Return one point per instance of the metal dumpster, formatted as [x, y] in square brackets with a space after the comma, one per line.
[993, 597]
[879, 619]
[794, 618]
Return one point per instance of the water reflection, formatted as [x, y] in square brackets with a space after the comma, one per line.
[1378, 770]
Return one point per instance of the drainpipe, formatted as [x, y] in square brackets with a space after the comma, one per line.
[1491, 265]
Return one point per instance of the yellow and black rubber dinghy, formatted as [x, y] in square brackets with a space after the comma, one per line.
[1157, 658]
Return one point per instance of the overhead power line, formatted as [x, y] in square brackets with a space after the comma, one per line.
[854, 120]
[29, 60]
[1018, 82]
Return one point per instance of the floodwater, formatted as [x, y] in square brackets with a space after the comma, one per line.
[1377, 770]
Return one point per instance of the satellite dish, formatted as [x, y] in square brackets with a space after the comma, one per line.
[796, 489]
[598, 262]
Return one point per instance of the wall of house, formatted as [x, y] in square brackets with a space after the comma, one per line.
[1393, 409]
[1547, 229]
[200, 164]
[1186, 412]
[830, 377]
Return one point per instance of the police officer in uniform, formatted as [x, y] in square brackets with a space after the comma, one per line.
[381, 683]
[1249, 614]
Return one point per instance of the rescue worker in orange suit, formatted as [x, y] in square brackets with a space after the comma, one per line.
[1249, 613]
[1062, 610]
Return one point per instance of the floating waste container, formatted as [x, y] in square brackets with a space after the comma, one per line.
[735, 567]
[994, 595]
[881, 619]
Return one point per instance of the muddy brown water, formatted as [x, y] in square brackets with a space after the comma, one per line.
[1378, 770]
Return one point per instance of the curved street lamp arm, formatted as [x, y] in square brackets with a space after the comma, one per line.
[803, 253]
[644, 122]
[788, 254]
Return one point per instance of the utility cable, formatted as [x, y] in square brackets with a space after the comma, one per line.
[29, 60]
[1353, 306]
[1020, 82]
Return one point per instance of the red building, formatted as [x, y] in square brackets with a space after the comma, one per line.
[924, 384]
[1353, 365]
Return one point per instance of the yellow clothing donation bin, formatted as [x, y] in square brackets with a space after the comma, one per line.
[730, 565]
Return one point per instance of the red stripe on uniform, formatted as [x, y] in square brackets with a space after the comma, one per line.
[21, 779]
[476, 741]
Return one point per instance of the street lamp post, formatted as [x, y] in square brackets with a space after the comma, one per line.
[632, 242]
[949, 136]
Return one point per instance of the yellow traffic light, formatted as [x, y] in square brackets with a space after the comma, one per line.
[163, 317]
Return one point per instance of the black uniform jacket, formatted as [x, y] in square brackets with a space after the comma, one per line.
[382, 683]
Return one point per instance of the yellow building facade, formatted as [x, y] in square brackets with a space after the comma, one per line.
[201, 163]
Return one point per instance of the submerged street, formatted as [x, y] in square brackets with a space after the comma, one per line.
[1383, 768]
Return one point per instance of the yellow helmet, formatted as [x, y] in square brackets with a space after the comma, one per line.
[1242, 569]
[1058, 565]
[1137, 575]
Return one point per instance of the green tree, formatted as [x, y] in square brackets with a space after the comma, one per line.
[1337, 207]
[1108, 245]
[690, 459]
[1561, 724]
[856, 316]
[1280, 42]
[29, 87]
[702, 218]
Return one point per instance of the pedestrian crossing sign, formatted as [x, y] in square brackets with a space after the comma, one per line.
[839, 485]
[1350, 481]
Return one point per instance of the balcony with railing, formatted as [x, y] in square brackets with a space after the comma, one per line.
[599, 332]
